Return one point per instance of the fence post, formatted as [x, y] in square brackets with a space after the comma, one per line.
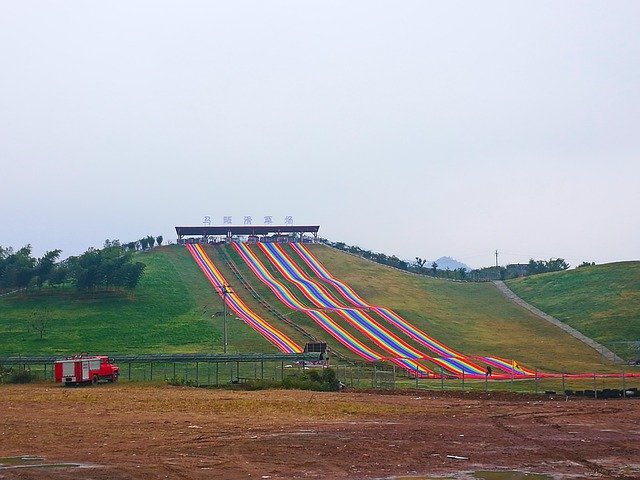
[441, 380]
[151, 373]
[536, 380]
[595, 387]
[563, 389]
[416, 375]
[394, 377]
[624, 389]
[129, 371]
[262, 369]
[197, 375]
[486, 379]
[463, 379]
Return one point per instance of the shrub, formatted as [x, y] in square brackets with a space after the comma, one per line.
[320, 380]
[180, 382]
[9, 375]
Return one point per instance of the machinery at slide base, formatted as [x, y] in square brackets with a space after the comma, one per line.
[85, 369]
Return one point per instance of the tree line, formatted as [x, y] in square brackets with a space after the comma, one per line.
[421, 267]
[108, 268]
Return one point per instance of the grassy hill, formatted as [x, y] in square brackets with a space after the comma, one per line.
[601, 301]
[171, 311]
[473, 318]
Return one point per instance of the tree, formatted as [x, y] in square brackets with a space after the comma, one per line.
[540, 266]
[420, 262]
[131, 274]
[434, 268]
[105, 269]
[18, 269]
[159, 240]
[144, 243]
[45, 266]
[40, 320]
[151, 241]
[557, 265]
[586, 264]
[461, 272]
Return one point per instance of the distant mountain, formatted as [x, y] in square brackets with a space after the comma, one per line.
[448, 262]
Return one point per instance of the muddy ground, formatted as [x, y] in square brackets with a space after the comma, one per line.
[130, 431]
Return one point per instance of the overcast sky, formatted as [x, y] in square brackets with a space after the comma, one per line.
[411, 128]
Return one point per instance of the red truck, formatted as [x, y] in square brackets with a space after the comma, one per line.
[84, 369]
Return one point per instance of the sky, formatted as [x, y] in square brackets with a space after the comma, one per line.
[414, 128]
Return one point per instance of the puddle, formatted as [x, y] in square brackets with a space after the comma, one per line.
[6, 461]
[513, 475]
[28, 461]
[482, 475]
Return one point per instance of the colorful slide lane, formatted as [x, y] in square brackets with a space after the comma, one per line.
[459, 364]
[450, 359]
[510, 366]
[386, 339]
[279, 339]
[320, 317]
[349, 294]
[287, 298]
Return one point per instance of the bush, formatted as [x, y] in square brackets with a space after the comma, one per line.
[180, 382]
[9, 375]
[324, 380]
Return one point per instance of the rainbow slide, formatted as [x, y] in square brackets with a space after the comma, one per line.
[450, 360]
[277, 338]
[349, 294]
[458, 364]
[377, 333]
[320, 317]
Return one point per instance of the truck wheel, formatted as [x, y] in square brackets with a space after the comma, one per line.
[95, 379]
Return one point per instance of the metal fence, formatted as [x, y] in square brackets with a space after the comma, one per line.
[187, 369]
[220, 370]
[625, 383]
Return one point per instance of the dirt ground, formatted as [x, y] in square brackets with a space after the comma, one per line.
[130, 431]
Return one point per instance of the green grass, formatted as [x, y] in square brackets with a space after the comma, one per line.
[473, 318]
[601, 301]
[171, 311]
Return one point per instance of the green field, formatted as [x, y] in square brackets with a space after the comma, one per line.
[473, 318]
[171, 312]
[601, 301]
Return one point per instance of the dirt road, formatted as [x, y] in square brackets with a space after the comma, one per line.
[155, 432]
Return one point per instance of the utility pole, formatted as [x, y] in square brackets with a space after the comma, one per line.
[224, 289]
[496, 258]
